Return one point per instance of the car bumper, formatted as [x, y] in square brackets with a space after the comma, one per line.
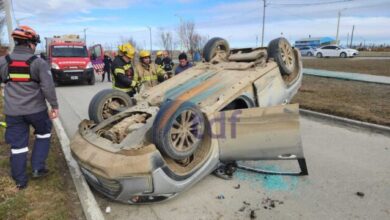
[135, 177]
[71, 75]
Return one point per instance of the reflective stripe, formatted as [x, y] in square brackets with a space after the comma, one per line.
[123, 89]
[149, 78]
[19, 75]
[127, 66]
[19, 151]
[133, 83]
[41, 136]
[118, 70]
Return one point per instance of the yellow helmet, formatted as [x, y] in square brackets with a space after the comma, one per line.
[127, 49]
[144, 53]
[159, 53]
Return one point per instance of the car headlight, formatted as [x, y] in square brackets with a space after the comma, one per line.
[89, 65]
[55, 66]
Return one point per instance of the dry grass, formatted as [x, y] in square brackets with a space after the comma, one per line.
[53, 197]
[367, 66]
[357, 100]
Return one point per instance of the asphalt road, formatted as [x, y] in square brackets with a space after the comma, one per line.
[341, 161]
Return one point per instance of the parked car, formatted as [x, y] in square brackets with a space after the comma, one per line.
[307, 51]
[335, 51]
[232, 107]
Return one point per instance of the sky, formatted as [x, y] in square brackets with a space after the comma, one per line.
[109, 21]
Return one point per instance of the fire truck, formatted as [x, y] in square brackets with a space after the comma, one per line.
[69, 59]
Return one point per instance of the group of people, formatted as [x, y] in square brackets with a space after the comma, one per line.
[29, 84]
[128, 77]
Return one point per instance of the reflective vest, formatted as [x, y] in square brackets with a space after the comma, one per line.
[19, 70]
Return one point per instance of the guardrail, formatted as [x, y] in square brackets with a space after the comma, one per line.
[348, 76]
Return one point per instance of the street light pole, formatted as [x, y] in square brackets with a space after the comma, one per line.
[8, 18]
[181, 22]
[262, 33]
[150, 38]
[338, 27]
[85, 35]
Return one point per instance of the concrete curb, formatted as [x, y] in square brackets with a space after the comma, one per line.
[346, 121]
[90, 207]
[360, 77]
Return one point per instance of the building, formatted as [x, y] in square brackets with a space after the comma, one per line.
[314, 42]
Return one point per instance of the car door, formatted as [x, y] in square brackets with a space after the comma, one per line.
[334, 51]
[269, 133]
[326, 52]
[97, 57]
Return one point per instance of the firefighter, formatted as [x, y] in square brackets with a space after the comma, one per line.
[167, 64]
[158, 60]
[148, 73]
[123, 71]
[28, 85]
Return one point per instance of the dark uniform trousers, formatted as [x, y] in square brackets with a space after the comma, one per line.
[17, 135]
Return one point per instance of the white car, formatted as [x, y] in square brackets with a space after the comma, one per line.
[335, 51]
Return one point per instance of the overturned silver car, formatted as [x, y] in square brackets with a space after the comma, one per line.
[232, 107]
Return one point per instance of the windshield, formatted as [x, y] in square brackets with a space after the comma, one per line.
[69, 51]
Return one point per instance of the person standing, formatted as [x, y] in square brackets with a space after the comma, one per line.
[167, 64]
[158, 60]
[183, 64]
[148, 73]
[28, 85]
[123, 71]
[107, 67]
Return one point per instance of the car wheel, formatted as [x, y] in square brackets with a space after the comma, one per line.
[107, 103]
[281, 51]
[319, 55]
[92, 80]
[309, 54]
[214, 47]
[343, 55]
[179, 134]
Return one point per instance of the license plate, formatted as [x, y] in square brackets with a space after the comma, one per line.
[74, 77]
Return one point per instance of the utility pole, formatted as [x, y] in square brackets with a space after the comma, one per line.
[262, 33]
[8, 18]
[347, 38]
[353, 29]
[85, 35]
[338, 27]
[150, 38]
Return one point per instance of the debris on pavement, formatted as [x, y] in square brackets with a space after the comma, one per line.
[253, 214]
[246, 204]
[238, 186]
[108, 209]
[270, 203]
[221, 197]
[360, 194]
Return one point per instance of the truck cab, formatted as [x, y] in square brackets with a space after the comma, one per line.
[69, 59]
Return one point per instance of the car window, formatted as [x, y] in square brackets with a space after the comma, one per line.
[326, 47]
[332, 47]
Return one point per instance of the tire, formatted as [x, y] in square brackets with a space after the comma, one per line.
[281, 51]
[167, 130]
[309, 54]
[319, 55]
[343, 55]
[99, 107]
[92, 80]
[213, 46]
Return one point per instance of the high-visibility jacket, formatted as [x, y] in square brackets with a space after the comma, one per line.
[148, 75]
[123, 73]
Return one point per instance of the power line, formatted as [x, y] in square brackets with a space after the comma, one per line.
[310, 4]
